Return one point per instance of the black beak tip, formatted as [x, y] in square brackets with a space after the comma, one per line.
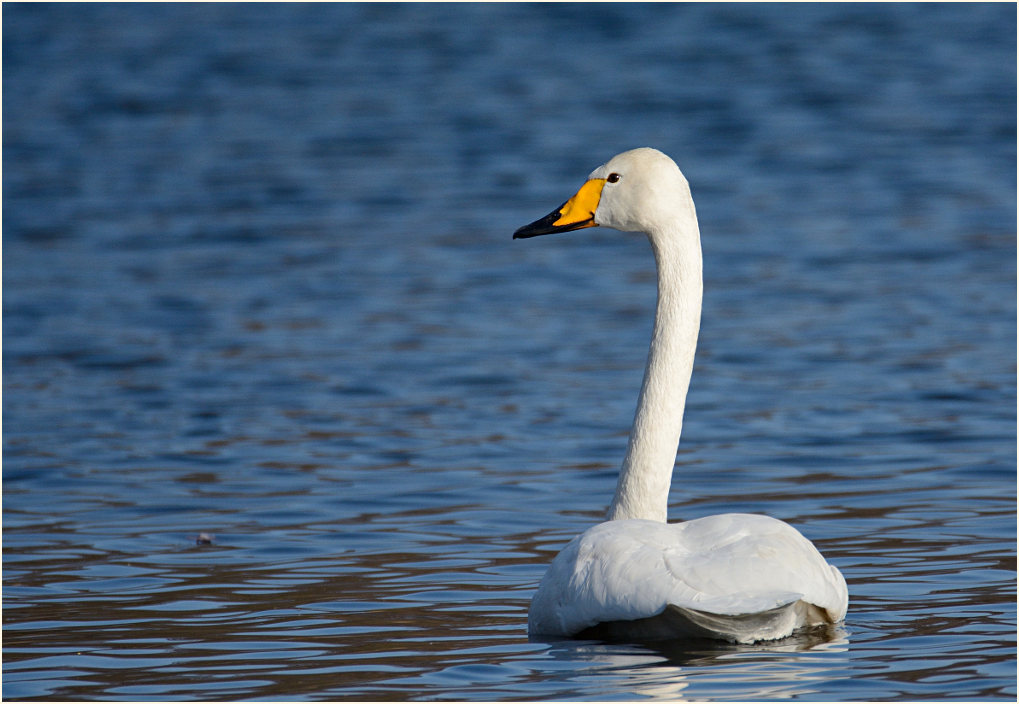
[544, 226]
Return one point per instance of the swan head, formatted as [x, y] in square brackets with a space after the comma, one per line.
[641, 190]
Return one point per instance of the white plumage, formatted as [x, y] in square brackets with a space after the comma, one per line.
[736, 577]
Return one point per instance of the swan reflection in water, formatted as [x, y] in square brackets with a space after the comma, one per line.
[675, 670]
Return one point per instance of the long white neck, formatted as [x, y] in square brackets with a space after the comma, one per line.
[646, 474]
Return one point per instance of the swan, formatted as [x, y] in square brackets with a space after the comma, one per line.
[734, 577]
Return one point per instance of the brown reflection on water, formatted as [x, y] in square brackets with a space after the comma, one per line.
[323, 625]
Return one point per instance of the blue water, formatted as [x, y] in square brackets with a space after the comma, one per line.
[259, 288]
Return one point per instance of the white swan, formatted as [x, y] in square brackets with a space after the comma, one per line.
[735, 577]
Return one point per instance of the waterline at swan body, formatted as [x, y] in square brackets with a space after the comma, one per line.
[735, 577]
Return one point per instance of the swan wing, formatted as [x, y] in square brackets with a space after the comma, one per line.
[734, 576]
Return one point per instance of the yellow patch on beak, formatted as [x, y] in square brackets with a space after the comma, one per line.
[579, 210]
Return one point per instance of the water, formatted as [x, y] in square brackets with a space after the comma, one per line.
[259, 285]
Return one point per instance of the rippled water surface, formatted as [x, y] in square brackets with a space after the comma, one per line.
[287, 414]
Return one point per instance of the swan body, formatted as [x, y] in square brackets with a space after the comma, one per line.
[735, 577]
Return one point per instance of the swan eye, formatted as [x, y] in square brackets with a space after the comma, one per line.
[613, 177]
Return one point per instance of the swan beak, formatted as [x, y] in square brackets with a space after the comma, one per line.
[576, 213]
